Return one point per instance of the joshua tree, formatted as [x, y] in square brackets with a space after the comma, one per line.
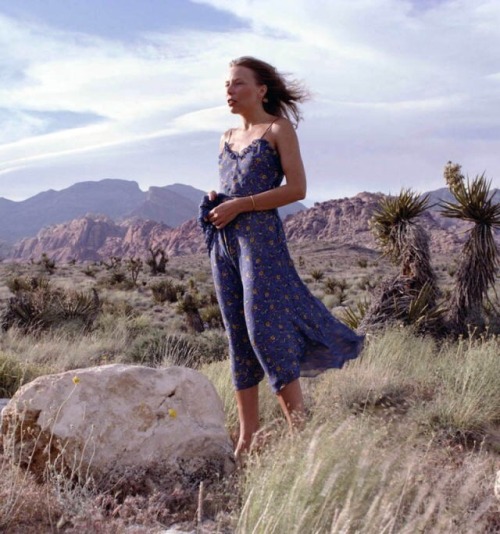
[158, 260]
[479, 259]
[48, 264]
[134, 266]
[410, 296]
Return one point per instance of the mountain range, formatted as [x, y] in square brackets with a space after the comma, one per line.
[339, 221]
[117, 199]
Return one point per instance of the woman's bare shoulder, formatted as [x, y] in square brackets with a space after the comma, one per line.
[283, 129]
[225, 137]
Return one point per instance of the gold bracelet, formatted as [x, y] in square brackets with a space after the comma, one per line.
[253, 202]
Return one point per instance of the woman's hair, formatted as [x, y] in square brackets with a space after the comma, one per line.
[282, 94]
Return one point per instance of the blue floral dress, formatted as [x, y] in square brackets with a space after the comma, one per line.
[274, 324]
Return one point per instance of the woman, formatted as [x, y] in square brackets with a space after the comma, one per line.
[275, 326]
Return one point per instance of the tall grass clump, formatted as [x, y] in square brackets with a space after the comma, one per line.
[392, 373]
[468, 400]
[379, 453]
[362, 477]
[335, 478]
[159, 349]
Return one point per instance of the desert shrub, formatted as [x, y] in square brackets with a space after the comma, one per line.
[167, 291]
[89, 271]
[26, 283]
[114, 262]
[366, 283]
[118, 279]
[317, 275]
[118, 308]
[212, 346]
[189, 305]
[48, 264]
[330, 285]
[134, 267]
[45, 308]
[158, 261]
[353, 315]
[14, 374]
[157, 349]
[211, 316]
[363, 263]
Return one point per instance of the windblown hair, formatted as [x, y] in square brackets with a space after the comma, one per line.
[283, 94]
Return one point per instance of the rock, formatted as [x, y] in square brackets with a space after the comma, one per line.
[497, 486]
[136, 427]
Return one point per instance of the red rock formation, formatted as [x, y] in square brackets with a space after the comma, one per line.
[343, 222]
[80, 239]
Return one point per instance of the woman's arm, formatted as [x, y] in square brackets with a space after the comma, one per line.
[287, 145]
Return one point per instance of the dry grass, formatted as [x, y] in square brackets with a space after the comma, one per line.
[405, 439]
[375, 458]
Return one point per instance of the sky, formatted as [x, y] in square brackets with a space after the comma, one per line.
[134, 89]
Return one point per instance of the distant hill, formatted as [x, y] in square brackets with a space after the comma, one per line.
[26, 218]
[339, 221]
[444, 194]
[117, 199]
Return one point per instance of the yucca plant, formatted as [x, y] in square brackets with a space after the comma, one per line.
[45, 308]
[353, 316]
[401, 239]
[478, 263]
[406, 243]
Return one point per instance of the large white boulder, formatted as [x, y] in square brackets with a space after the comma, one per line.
[120, 424]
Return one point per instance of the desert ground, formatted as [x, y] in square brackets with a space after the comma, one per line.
[404, 439]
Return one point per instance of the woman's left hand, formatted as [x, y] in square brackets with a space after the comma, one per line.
[224, 213]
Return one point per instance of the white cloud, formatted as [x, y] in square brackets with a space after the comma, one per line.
[399, 88]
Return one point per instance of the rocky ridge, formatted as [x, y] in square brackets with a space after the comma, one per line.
[117, 199]
[341, 221]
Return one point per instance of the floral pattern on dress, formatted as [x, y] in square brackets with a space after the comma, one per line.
[275, 326]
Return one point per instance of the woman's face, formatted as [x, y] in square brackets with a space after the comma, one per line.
[242, 91]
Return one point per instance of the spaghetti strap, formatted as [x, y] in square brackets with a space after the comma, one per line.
[268, 128]
[229, 136]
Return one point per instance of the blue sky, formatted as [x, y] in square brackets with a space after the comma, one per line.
[135, 89]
